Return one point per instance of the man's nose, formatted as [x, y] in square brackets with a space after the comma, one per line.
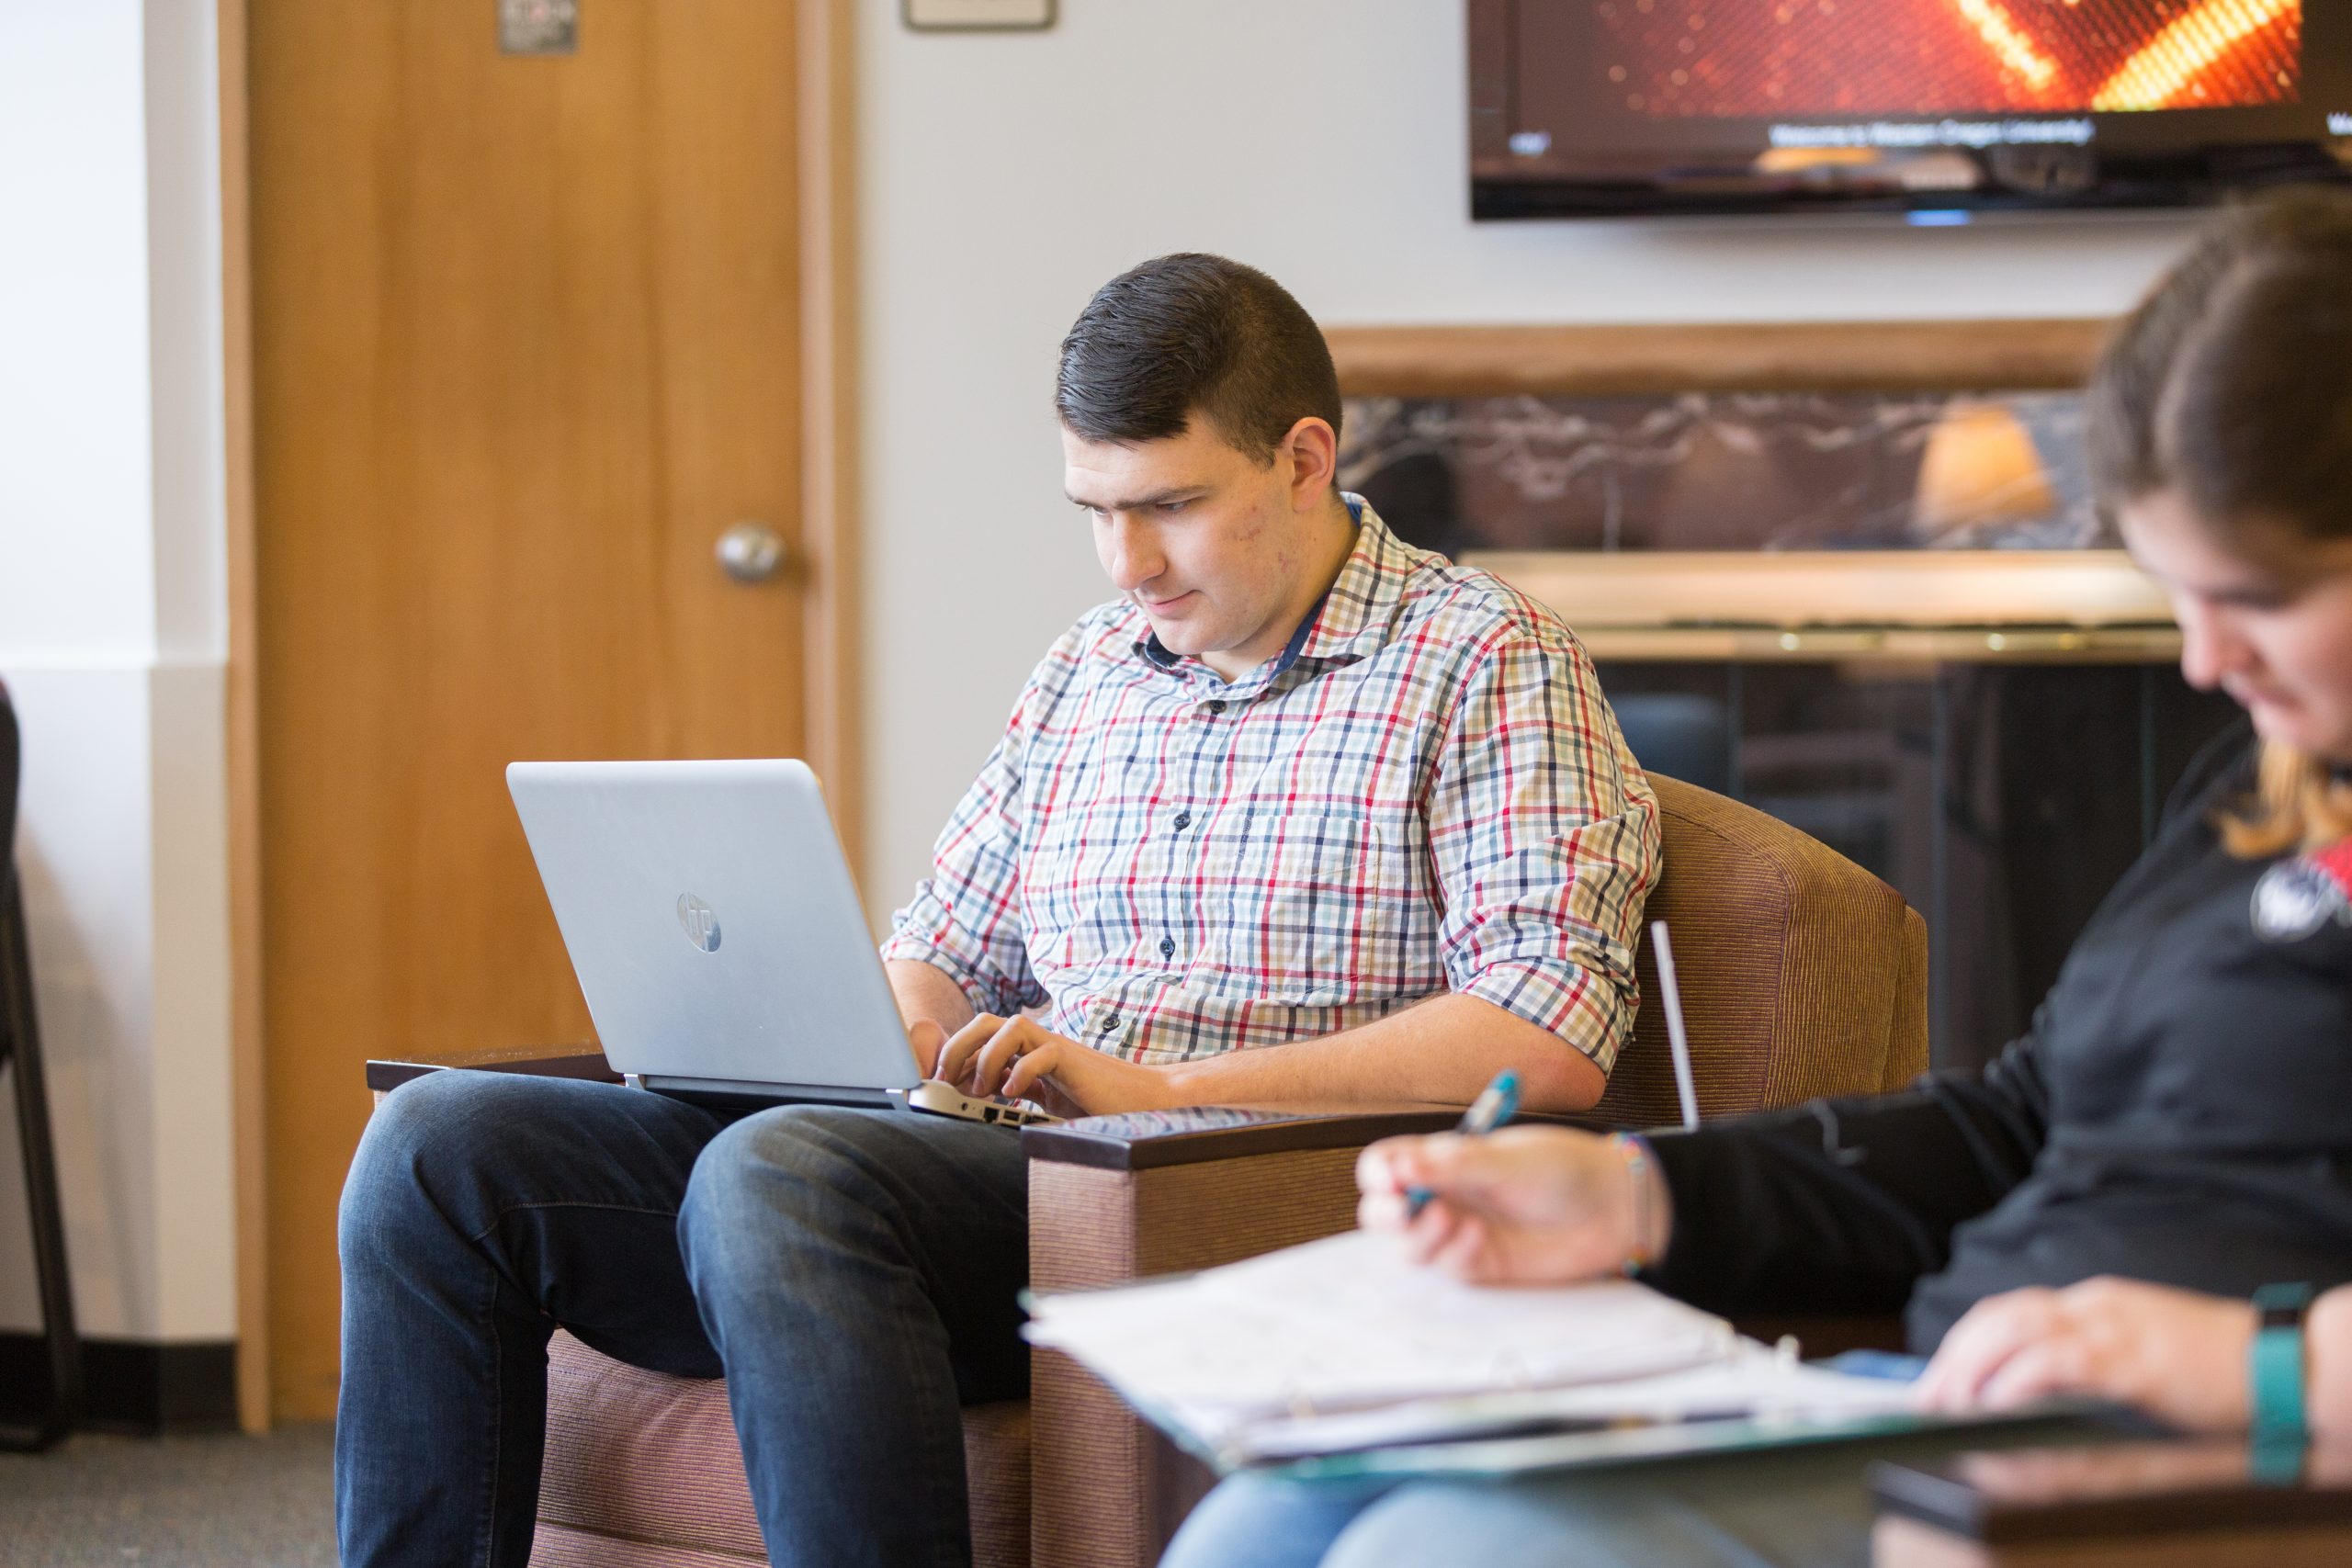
[1129, 556]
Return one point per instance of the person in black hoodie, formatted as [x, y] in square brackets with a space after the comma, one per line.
[2093, 1214]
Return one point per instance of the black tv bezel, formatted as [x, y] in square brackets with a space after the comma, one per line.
[2181, 177]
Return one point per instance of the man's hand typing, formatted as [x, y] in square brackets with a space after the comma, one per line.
[928, 1039]
[1019, 1058]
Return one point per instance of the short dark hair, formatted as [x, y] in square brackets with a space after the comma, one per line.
[1192, 333]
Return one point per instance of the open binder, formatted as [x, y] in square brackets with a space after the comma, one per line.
[1341, 1357]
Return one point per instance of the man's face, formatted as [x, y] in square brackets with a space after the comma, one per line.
[1221, 554]
[2267, 618]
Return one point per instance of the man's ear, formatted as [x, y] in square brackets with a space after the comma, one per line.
[1314, 450]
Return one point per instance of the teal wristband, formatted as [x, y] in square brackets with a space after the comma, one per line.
[2275, 1366]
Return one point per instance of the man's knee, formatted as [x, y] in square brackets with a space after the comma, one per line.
[762, 1185]
[423, 1154]
[782, 1158]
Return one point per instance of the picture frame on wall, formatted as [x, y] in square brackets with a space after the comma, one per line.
[978, 15]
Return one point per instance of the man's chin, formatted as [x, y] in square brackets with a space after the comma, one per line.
[1181, 637]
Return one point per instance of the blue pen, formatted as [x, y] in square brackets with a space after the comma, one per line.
[1496, 1104]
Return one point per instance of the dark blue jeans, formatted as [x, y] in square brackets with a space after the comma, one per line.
[853, 1273]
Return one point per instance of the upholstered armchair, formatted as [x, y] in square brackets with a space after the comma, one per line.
[1802, 975]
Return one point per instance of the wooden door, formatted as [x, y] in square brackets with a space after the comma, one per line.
[525, 344]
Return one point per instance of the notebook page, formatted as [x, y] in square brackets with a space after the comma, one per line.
[1755, 1384]
[1351, 1322]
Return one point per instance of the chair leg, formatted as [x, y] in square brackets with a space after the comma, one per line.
[20, 1048]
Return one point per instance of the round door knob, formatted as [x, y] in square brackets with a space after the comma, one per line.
[750, 552]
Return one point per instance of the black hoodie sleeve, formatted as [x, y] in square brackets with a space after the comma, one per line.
[1841, 1205]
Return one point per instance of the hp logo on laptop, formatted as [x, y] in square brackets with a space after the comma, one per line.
[699, 922]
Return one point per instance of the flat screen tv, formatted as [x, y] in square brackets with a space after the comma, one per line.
[1937, 109]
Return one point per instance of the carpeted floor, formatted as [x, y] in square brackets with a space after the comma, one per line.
[224, 1502]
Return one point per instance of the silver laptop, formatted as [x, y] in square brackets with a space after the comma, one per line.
[717, 935]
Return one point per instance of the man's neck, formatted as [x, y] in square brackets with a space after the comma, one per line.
[1339, 528]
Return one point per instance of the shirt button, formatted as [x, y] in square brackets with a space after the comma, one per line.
[1110, 1024]
[1217, 707]
[1167, 947]
[1184, 820]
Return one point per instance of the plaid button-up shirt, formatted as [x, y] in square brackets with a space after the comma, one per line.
[1425, 793]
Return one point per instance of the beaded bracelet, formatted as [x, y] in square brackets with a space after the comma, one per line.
[1635, 1153]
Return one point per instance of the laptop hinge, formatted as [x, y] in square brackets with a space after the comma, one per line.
[727, 1094]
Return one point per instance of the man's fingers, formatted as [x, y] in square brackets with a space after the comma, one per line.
[928, 1039]
[954, 1057]
[995, 1058]
[1020, 1078]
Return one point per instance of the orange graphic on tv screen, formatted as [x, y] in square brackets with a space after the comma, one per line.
[1776, 58]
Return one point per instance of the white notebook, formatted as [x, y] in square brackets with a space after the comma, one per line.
[1343, 1357]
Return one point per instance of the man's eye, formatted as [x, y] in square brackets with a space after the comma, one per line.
[1171, 507]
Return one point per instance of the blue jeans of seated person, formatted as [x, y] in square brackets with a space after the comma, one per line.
[1801, 1507]
[853, 1273]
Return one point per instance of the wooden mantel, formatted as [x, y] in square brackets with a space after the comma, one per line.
[2037, 606]
[1780, 356]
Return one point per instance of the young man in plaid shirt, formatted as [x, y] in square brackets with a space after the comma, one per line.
[1300, 786]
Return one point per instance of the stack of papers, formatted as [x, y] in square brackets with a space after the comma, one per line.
[1345, 1351]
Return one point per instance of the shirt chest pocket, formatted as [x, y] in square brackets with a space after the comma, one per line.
[1090, 846]
[1078, 885]
[1284, 907]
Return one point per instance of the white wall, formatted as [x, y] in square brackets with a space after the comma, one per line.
[1005, 176]
[113, 642]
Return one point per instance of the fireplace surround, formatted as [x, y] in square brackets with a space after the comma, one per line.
[1848, 572]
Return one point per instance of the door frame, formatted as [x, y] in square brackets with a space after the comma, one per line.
[826, 64]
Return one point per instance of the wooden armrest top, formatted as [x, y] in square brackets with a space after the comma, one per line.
[1142, 1140]
[574, 1061]
[1137, 1140]
[2018, 1495]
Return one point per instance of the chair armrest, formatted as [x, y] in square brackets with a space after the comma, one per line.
[1144, 1140]
[2162, 1504]
[576, 1061]
[1116, 1198]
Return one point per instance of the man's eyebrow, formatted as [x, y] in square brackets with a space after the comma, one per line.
[1135, 503]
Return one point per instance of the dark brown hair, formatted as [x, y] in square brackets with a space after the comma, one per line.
[2231, 385]
[1192, 333]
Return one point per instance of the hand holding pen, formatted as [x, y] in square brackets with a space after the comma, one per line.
[1530, 1205]
[1496, 1104]
[1523, 1206]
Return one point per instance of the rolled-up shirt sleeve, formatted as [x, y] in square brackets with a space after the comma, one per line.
[1546, 840]
[965, 918]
